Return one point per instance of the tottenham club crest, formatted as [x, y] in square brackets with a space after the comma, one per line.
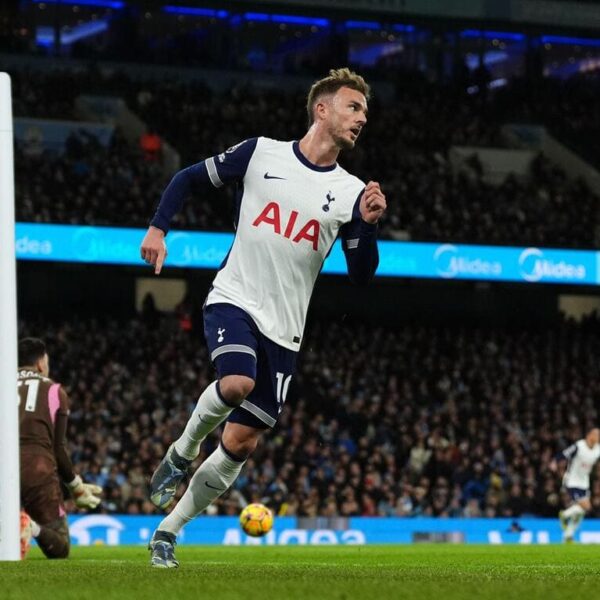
[330, 199]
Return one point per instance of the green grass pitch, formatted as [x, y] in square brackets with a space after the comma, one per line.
[329, 572]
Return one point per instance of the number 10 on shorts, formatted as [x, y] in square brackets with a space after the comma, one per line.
[283, 383]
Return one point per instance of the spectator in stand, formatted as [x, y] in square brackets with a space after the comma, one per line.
[151, 145]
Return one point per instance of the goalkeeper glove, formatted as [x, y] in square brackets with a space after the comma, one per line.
[84, 494]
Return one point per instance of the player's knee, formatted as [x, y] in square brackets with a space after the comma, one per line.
[54, 539]
[239, 440]
[57, 547]
[245, 448]
[241, 449]
[60, 552]
[234, 388]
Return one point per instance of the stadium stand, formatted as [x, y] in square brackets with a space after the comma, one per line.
[410, 420]
[405, 146]
[415, 420]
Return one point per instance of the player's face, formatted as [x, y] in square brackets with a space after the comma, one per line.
[347, 116]
[594, 436]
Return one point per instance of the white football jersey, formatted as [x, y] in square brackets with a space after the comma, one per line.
[581, 462]
[289, 213]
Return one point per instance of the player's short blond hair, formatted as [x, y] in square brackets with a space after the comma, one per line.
[336, 79]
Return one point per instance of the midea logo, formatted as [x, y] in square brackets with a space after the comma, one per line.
[450, 264]
[533, 266]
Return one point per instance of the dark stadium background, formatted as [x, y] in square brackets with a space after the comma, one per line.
[414, 397]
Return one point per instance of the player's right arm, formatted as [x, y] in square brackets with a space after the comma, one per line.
[217, 170]
[563, 456]
[569, 453]
[63, 461]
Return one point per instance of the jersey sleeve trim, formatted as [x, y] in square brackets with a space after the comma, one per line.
[213, 174]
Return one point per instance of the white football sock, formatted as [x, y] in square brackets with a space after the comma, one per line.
[573, 526]
[211, 410]
[35, 529]
[575, 514]
[575, 523]
[213, 478]
[573, 511]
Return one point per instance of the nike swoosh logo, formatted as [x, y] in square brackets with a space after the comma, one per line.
[212, 487]
[203, 420]
[267, 176]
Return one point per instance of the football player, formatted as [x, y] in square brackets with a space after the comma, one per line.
[581, 457]
[45, 461]
[293, 201]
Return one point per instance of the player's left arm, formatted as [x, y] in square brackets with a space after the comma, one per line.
[359, 236]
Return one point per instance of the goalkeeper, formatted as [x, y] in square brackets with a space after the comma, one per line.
[45, 461]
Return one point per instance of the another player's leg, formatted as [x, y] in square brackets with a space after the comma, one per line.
[43, 506]
[574, 516]
[53, 538]
[564, 520]
[574, 525]
[215, 476]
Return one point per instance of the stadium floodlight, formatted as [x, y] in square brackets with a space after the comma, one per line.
[9, 416]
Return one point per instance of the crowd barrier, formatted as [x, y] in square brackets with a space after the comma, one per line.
[206, 250]
[127, 529]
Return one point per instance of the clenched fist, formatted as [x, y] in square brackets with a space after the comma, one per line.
[372, 203]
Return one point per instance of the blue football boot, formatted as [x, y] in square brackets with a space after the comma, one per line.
[162, 548]
[168, 475]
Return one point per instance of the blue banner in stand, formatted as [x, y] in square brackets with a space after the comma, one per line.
[124, 529]
[207, 250]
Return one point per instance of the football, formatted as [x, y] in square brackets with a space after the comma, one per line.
[256, 520]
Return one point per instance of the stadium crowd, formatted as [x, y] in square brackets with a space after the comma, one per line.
[413, 420]
[570, 114]
[405, 147]
[93, 184]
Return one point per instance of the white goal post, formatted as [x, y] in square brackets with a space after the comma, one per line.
[9, 415]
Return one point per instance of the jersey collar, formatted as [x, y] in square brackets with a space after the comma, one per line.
[307, 163]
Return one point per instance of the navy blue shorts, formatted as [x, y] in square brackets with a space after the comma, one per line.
[577, 494]
[237, 347]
